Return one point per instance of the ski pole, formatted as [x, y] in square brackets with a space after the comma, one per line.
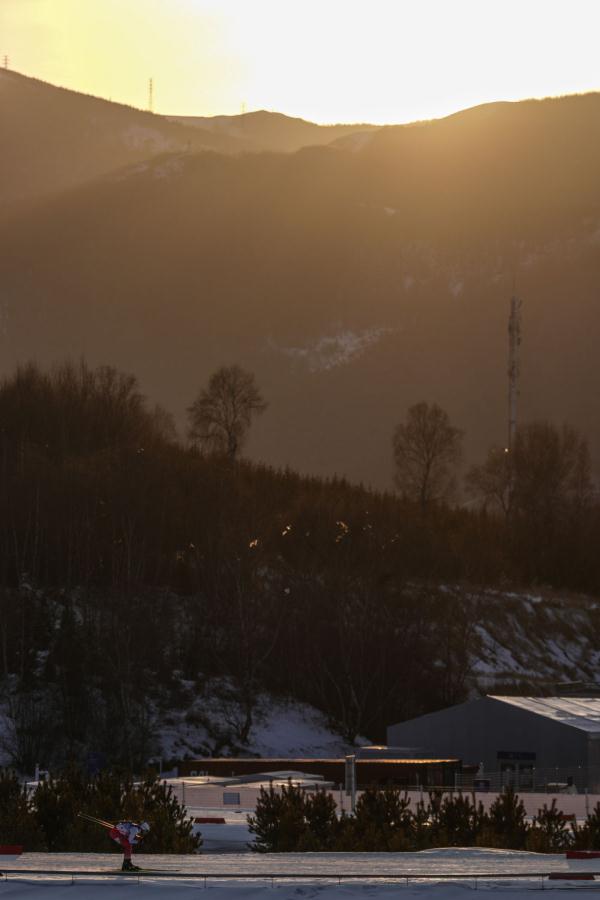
[94, 819]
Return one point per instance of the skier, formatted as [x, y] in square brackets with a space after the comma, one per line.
[128, 834]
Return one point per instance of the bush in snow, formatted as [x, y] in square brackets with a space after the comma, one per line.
[505, 825]
[550, 832]
[382, 820]
[171, 828]
[321, 822]
[17, 818]
[587, 836]
[289, 820]
[57, 802]
[455, 820]
[279, 821]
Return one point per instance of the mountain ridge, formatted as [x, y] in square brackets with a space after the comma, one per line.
[274, 131]
[353, 283]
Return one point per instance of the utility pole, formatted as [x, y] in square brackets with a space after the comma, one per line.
[5, 61]
[150, 96]
[350, 778]
[514, 367]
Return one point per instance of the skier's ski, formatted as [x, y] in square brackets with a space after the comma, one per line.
[144, 872]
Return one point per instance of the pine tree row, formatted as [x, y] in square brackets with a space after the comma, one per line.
[291, 820]
[46, 819]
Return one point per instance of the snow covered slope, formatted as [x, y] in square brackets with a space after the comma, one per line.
[532, 641]
[210, 724]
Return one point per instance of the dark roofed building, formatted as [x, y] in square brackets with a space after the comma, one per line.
[529, 741]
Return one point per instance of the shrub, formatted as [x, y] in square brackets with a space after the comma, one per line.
[455, 820]
[278, 822]
[57, 802]
[505, 825]
[382, 820]
[549, 832]
[18, 823]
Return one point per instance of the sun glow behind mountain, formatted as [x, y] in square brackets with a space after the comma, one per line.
[325, 60]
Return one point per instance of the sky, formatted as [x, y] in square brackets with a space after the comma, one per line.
[325, 60]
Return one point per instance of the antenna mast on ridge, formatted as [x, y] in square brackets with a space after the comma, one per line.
[514, 367]
[5, 61]
[150, 96]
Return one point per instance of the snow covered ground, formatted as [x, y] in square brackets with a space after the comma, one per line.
[165, 890]
[423, 864]
[472, 868]
[317, 875]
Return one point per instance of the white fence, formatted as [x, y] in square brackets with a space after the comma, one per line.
[241, 797]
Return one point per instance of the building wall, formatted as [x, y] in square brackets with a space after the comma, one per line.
[405, 773]
[479, 730]
[593, 761]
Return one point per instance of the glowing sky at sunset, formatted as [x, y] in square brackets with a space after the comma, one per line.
[324, 60]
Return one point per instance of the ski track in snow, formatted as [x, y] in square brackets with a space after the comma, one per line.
[451, 861]
[426, 864]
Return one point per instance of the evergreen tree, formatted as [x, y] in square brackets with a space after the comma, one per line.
[278, 823]
[170, 827]
[506, 824]
[382, 819]
[57, 802]
[549, 832]
[320, 813]
[455, 820]
[18, 823]
[587, 836]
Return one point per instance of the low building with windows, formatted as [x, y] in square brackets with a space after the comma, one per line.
[373, 769]
[532, 743]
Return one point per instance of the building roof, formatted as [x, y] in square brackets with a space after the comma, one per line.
[577, 712]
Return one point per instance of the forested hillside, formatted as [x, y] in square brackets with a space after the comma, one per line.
[140, 576]
[54, 139]
[355, 279]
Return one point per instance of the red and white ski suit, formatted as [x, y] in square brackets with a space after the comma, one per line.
[127, 834]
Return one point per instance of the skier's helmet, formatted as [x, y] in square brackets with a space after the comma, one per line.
[144, 827]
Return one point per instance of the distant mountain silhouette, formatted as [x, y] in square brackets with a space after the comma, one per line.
[52, 138]
[263, 130]
[354, 280]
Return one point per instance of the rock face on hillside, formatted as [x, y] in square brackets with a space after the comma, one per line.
[354, 279]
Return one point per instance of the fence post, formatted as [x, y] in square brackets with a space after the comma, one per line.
[587, 803]
[350, 773]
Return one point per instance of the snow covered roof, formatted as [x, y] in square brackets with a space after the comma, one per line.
[254, 780]
[577, 712]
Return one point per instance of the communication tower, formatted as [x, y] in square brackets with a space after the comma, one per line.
[5, 61]
[151, 96]
[514, 367]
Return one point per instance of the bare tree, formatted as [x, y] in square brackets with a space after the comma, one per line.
[551, 470]
[427, 449]
[222, 413]
[548, 470]
[491, 481]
